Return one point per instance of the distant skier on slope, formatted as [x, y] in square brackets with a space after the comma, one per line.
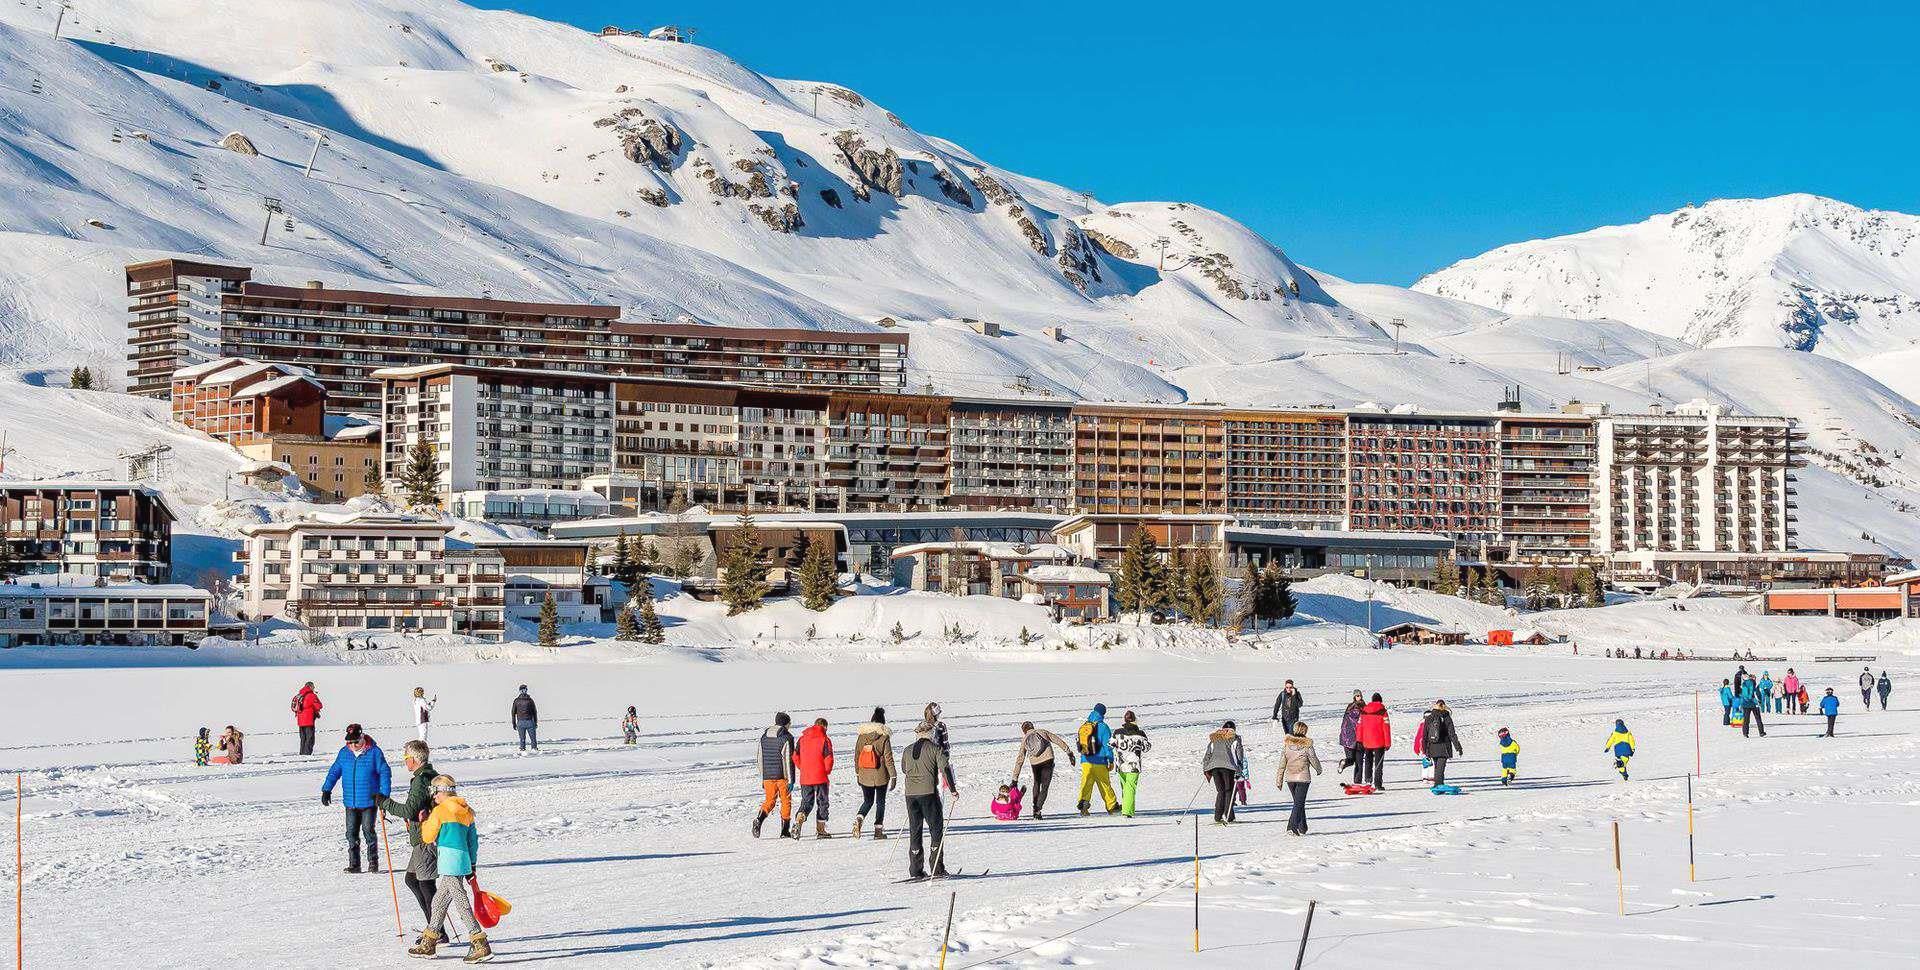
[1036, 753]
[1620, 745]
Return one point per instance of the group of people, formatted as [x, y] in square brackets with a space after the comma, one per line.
[1745, 700]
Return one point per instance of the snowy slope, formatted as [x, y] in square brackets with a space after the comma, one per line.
[1795, 271]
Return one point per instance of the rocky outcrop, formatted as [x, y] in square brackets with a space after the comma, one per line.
[951, 188]
[653, 197]
[1079, 259]
[239, 144]
[843, 95]
[644, 140]
[871, 169]
[782, 218]
[1010, 202]
[499, 67]
[1114, 246]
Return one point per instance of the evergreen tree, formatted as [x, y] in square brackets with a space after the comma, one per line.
[819, 580]
[1246, 611]
[1563, 587]
[622, 571]
[743, 584]
[370, 481]
[1275, 601]
[1202, 594]
[81, 379]
[1587, 587]
[646, 560]
[1446, 575]
[624, 627]
[650, 629]
[420, 477]
[9, 565]
[899, 633]
[549, 623]
[1141, 584]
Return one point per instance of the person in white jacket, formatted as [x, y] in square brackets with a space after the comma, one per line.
[422, 712]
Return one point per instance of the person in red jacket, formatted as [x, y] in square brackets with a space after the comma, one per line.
[306, 711]
[1374, 734]
[813, 757]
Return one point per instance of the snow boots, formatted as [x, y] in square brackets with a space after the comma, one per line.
[879, 831]
[786, 828]
[857, 820]
[820, 830]
[478, 949]
[799, 826]
[429, 942]
[759, 820]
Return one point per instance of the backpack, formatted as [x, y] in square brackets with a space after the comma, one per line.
[867, 757]
[1089, 740]
[296, 701]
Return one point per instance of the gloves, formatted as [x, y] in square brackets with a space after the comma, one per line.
[326, 798]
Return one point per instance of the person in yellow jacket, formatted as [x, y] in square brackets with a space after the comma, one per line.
[1620, 745]
[1509, 757]
[450, 829]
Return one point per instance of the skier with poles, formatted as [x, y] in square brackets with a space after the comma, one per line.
[923, 766]
[421, 871]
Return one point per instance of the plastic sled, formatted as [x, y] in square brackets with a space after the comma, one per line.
[1357, 789]
[218, 759]
[1446, 789]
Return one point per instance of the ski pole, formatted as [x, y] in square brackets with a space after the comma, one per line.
[1196, 884]
[1619, 874]
[392, 885]
[1690, 876]
[947, 937]
[1305, 931]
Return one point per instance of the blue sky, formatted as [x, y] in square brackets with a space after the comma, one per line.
[1374, 141]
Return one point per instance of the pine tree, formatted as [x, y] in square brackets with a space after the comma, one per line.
[1141, 584]
[624, 627]
[1563, 587]
[420, 478]
[1446, 575]
[549, 623]
[899, 633]
[1247, 611]
[819, 580]
[650, 629]
[743, 585]
[622, 570]
[1275, 600]
[646, 559]
[81, 379]
[1202, 594]
[1587, 587]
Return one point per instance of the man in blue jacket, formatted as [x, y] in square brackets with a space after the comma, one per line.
[365, 781]
[1096, 761]
[1830, 706]
[1726, 703]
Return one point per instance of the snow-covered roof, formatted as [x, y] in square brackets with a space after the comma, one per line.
[991, 550]
[266, 467]
[1066, 574]
[249, 368]
[356, 432]
[208, 367]
[591, 498]
[1428, 627]
[275, 385]
[73, 584]
[82, 485]
[350, 520]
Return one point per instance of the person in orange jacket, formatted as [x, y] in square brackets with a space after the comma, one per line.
[813, 756]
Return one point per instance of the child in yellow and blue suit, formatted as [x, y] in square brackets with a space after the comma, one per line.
[1509, 757]
[1620, 745]
[202, 749]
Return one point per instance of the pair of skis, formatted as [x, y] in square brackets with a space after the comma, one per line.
[961, 874]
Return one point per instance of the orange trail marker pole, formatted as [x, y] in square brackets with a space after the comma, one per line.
[1690, 877]
[1619, 874]
[1196, 884]
[392, 886]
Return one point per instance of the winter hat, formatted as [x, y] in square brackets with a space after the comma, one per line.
[203, 734]
[523, 688]
[353, 732]
[1100, 709]
[879, 715]
[1229, 726]
[1620, 724]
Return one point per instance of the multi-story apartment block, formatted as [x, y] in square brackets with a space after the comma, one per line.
[537, 569]
[136, 614]
[175, 318]
[242, 401]
[1135, 458]
[1011, 455]
[185, 313]
[337, 468]
[720, 445]
[888, 451]
[1547, 465]
[376, 572]
[1696, 479]
[498, 428]
[1286, 469]
[117, 531]
[1419, 472]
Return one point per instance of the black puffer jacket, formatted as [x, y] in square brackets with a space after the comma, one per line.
[776, 755]
[524, 709]
[1442, 741]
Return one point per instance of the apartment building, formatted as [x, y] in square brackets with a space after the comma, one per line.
[888, 451]
[965, 567]
[537, 569]
[1547, 467]
[184, 313]
[536, 507]
[1102, 537]
[76, 610]
[372, 572]
[174, 318]
[1287, 470]
[1133, 458]
[1416, 472]
[498, 428]
[241, 401]
[1011, 455]
[1696, 478]
[117, 531]
[720, 445]
[337, 468]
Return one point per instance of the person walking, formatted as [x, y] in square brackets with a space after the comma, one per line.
[421, 865]
[1221, 763]
[1130, 747]
[1753, 703]
[1509, 757]
[1349, 735]
[422, 712]
[1727, 698]
[923, 766]
[813, 759]
[1442, 742]
[1620, 743]
[1740, 677]
[1885, 687]
[776, 774]
[1830, 706]
[1790, 690]
[1286, 708]
[1866, 687]
[873, 770]
[1297, 757]
[456, 840]
[232, 744]
[935, 728]
[364, 778]
[1036, 752]
[1096, 761]
[1374, 734]
[306, 713]
[524, 714]
[630, 726]
[1765, 694]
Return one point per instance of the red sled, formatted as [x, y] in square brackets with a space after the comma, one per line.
[1357, 789]
[487, 908]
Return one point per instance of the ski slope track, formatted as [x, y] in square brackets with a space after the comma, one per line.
[487, 153]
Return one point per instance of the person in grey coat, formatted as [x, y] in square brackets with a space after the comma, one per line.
[923, 765]
[1221, 763]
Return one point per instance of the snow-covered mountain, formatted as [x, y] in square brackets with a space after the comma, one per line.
[1796, 271]
[489, 153]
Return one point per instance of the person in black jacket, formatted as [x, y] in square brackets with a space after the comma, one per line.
[1286, 708]
[423, 864]
[1441, 740]
[526, 720]
[776, 774]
